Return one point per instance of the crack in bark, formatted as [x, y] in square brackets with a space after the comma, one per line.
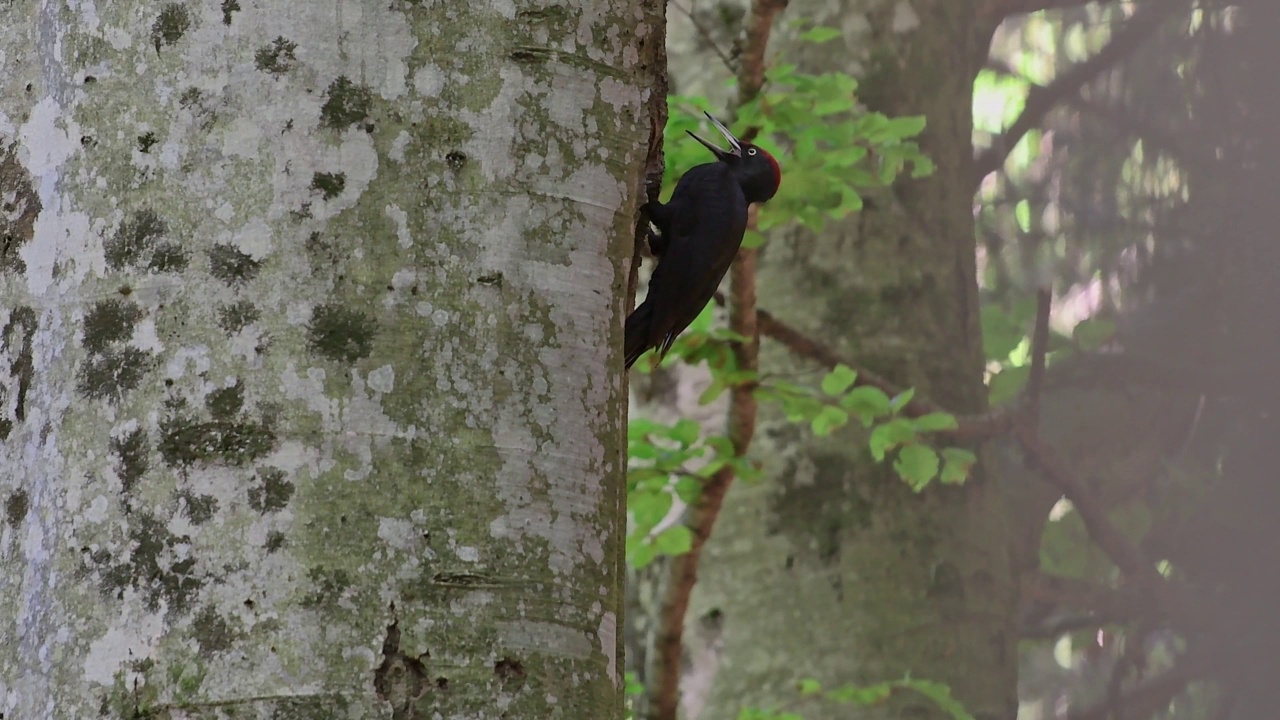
[401, 679]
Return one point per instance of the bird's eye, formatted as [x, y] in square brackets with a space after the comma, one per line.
[751, 151]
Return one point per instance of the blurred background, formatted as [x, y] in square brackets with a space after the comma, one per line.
[1124, 166]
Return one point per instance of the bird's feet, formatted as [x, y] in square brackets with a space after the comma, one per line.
[657, 243]
[653, 228]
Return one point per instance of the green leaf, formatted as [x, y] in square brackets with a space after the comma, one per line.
[675, 540]
[835, 103]
[641, 450]
[829, 418]
[941, 696]
[1006, 384]
[688, 488]
[867, 695]
[633, 686]
[867, 402]
[956, 463]
[640, 553]
[845, 157]
[838, 380]
[647, 479]
[685, 432]
[917, 464]
[752, 239]
[649, 508]
[936, 421]
[819, 35]
[706, 317]
[809, 686]
[1022, 213]
[1065, 549]
[1001, 333]
[900, 400]
[713, 391]
[889, 436]
[1093, 333]
[801, 409]
[720, 445]
[905, 127]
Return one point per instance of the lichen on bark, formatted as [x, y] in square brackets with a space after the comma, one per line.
[274, 291]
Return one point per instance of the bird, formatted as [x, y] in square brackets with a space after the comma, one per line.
[699, 231]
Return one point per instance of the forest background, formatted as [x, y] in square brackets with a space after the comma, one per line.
[1097, 552]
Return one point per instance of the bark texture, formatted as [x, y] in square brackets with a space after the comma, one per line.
[833, 569]
[308, 398]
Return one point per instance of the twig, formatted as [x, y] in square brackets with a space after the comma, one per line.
[971, 427]
[1142, 129]
[1043, 98]
[1076, 594]
[1039, 349]
[706, 35]
[664, 691]
[1152, 696]
[1040, 455]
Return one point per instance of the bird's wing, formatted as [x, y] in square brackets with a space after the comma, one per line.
[708, 218]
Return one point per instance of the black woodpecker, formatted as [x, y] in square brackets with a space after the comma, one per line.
[699, 232]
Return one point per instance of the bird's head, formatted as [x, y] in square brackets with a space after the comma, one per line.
[757, 171]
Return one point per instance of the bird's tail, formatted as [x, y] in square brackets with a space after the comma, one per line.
[637, 332]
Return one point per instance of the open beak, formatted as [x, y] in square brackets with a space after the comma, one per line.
[734, 144]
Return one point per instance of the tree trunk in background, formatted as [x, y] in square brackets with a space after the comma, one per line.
[1229, 542]
[833, 569]
[308, 399]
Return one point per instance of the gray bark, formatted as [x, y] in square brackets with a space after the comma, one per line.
[308, 405]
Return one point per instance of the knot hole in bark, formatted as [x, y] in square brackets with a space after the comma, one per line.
[400, 680]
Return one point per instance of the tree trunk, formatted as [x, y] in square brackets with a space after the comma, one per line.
[1228, 541]
[833, 569]
[309, 404]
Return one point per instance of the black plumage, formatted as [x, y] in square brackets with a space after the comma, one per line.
[698, 235]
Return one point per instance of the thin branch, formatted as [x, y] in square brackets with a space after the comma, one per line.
[1044, 98]
[1142, 129]
[972, 427]
[706, 35]
[664, 690]
[1043, 457]
[1052, 628]
[1132, 657]
[1151, 696]
[1041, 588]
[1039, 349]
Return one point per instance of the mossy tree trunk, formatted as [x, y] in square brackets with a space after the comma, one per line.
[308, 398]
[833, 568]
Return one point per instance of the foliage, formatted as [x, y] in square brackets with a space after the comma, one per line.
[838, 399]
[865, 695]
[672, 461]
[833, 152]
[633, 688]
[669, 462]
[1007, 345]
